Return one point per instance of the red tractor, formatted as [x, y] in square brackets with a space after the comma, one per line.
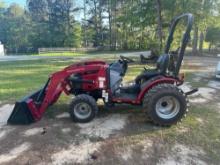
[156, 90]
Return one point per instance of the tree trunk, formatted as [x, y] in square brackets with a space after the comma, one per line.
[66, 39]
[84, 27]
[96, 24]
[159, 23]
[210, 46]
[16, 50]
[100, 25]
[110, 23]
[201, 40]
[125, 30]
[115, 26]
[195, 41]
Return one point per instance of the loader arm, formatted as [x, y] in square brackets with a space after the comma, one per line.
[32, 107]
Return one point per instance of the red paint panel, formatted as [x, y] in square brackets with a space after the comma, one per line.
[154, 83]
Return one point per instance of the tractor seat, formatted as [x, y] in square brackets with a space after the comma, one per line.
[161, 69]
[132, 89]
[146, 75]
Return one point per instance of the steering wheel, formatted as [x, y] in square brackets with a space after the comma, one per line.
[126, 59]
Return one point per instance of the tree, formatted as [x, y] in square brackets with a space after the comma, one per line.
[201, 40]
[203, 12]
[40, 33]
[159, 22]
[208, 9]
[2, 22]
[2, 5]
[195, 41]
[95, 20]
[14, 29]
[38, 10]
[116, 24]
[54, 23]
[212, 36]
[76, 39]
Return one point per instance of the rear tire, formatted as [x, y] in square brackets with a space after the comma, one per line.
[165, 104]
[83, 108]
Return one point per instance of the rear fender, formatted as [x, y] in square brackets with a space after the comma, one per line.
[154, 83]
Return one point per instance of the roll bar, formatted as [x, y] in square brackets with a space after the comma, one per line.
[185, 38]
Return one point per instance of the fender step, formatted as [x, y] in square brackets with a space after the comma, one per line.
[192, 91]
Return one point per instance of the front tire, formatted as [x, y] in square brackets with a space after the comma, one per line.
[83, 108]
[165, 104]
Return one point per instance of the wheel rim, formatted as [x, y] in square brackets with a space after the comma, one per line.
[82, 110]
[167, 107]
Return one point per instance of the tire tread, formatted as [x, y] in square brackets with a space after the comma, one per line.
[84, 98]
[154, 91]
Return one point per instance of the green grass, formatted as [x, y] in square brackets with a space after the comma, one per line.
[19, 78]
[81, 53]
[63, 54]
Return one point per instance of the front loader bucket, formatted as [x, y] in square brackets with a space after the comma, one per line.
[21, 113]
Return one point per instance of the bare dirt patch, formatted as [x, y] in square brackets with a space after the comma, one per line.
[76, 153]
[63, 115]
[205, 92]
[197, 79]
[71, 142]
[182, 154]
[103, 127]
[14, 153]
[200, 120]
[218, 107]
[4, 132]
[214, 84]
[198, 100]
[203, 95]
[83, 152]
[126, 154]
[33, 131]
[203, 74]
[66, 130]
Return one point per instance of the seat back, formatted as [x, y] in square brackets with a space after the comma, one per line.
[163, 64]
[161, 69]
